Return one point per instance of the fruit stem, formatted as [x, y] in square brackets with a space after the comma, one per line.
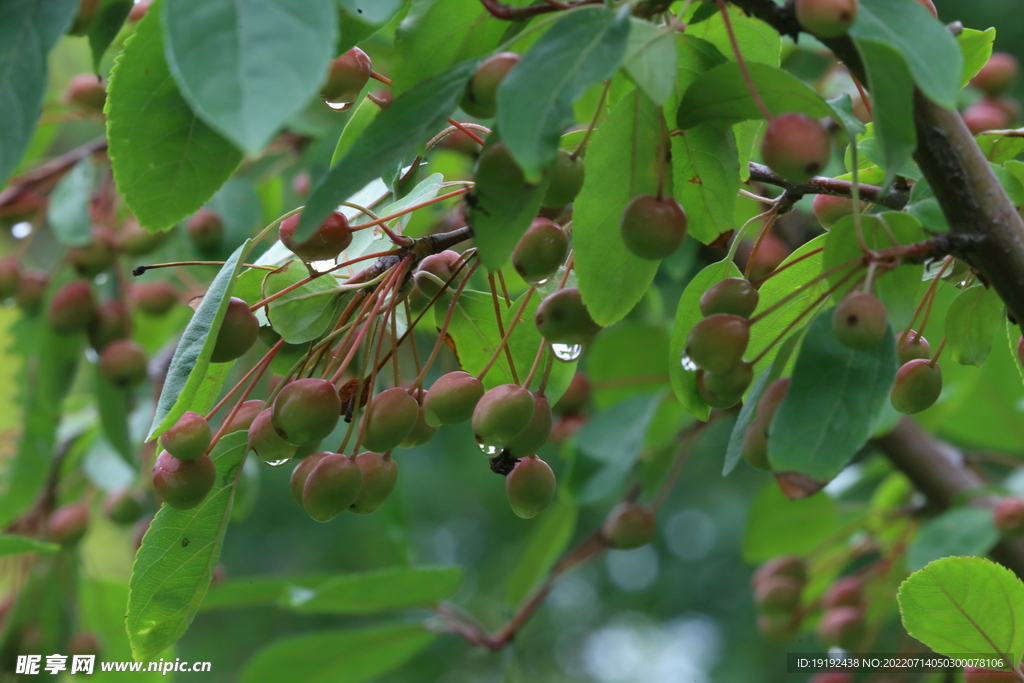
[139, 270]
[258, 371]
[508, 334]
[928, 296]
[742, 64]
[479, 140]
[688, 436]
[535, 365]
[773, 216]
[787, 265]
[408, 328]
[593, 120]
[738, 237]
[378, 77]
[501, 325]
[444, 325]
[938, 352]
[307, 280]
[810, 283]
[863, 95]
[465, 127]
[504, 290]
[415, 207]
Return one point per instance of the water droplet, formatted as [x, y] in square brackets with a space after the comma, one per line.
[567, 352]
[537, 283]
[20, 230]
[488, 450]
[101, 279]
[339, 106]
[277, 463]
[91, 355]
[689, 364]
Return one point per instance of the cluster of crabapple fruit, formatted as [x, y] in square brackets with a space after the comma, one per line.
[778, 587]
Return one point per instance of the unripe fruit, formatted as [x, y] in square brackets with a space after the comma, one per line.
[331, 487]
[828, 209]
[930, 6]
[778, 595]
[530, 487]
[1008, 105]
[135, 240]
[984, 115]
[434, 271]
[733, 296]
[421, 432]
[266, 442]
[755, 447]
[732, 383]
[717, 343]
[92, 259]
[536, 432]
[498, 175]
[347, 75]
[779, 628]
[832, 677]
[302, 184]
[769, 256]
[72, 308]
[576, 395]
[31, 286]
[302, 452]
[653, 227]
[481, 97]
[998, 74]
[378, 481]
[389, 418]
[540, 251]
[910, 346]
[918, 385]
[244, 416]
[566, 180]
[183, 484]
[784, 565]
[562, 318]
[138, 11]
[629, 526]
[124, 506]
[976, 674]
[84, 643]
[845, 592]
[123, 363]
[189, 437]
[306, 410]
[1008, 517]
[206, 229]
[826, 18]
[10, 276]
[112, 321]
[859, 321]
[711, 398]
[769, 401]
[452, 399]
[67, 525]
[501, 415]
[842, 627]
[301, 473]
[796, 147]
[154, 298]
[86, 92]
[237, 333]
[329, 240]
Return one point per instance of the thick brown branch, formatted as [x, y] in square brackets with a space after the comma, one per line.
[895, 199]
[510, 13]
[939, 471]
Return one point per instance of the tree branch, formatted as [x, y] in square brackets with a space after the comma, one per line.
[509, 13]
[895, 199]
[940, 472]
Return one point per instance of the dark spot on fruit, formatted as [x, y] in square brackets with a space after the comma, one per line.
[851, 320]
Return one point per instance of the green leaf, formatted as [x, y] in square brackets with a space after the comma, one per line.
[378, 591]
[928, 47]
[13, 545]
[630, 359]
[166, 161]
[896, 288]
[407, 122]
[960, 531]
[101, 610]
[105, 26]
[350, 656]
[758, 41]
[976, 47]
[69, 205]
[779, 526]
[475, 334]
[270, 57]
[972, 321]
[651, 59]
[1010, 180]
[721, 95]
[434, 36]
[535, 99]
[981, 603]
[706, 172]
[360, 19]
[548, 541]
[999, 147]
[892, 101]
[611, 279]
[177, 558]
[834, 398]
[28, 29]
[361, 118]
[254, 591]
[188, 380]
[304, 313]
[114, 409]
[681, 369]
